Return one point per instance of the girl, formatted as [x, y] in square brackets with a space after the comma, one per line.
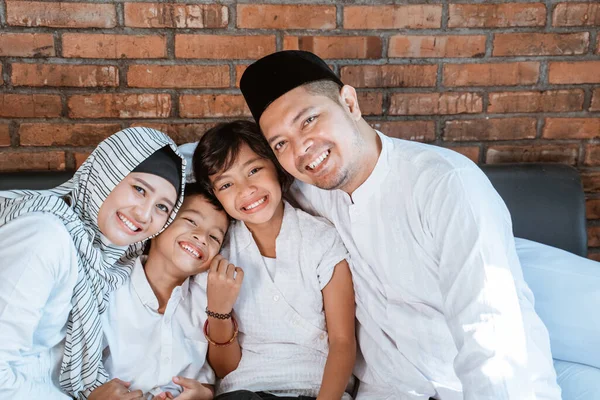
[63, 250]
[296, 306]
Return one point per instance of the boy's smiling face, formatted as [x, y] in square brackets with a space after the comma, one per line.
[194, 238]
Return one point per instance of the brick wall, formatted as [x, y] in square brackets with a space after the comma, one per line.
[499, 82]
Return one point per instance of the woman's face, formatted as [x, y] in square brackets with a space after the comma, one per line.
[250, 190]
[137, 208]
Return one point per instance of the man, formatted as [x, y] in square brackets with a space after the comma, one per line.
[442, 306]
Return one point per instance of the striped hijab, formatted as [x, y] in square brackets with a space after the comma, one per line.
[102, 266]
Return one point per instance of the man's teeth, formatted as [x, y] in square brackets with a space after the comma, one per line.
[319, 160]
[190, 250]
[128, 223]
[255, 204]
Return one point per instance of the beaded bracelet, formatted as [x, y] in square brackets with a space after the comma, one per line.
[227, 343]
[217, 315]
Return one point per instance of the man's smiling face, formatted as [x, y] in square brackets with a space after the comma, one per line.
[315, 138]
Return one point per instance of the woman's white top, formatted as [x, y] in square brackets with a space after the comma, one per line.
[38, 271]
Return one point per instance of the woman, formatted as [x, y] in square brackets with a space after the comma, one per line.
[63, 250]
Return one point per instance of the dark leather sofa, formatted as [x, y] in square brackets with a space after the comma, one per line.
[546, 201]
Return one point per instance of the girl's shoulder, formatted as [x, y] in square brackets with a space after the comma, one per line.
[306, 220]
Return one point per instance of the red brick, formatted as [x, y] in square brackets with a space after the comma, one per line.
[530, 102]
[471, 152]
[213, 105]
[65, 134]
[591, 181]
[393, 17]
[147, 105]
[592, 207]
[60, 14]
[30, 105]
[437, 46]
[572, 128]
[598, 46]
[169, 15]
[26, 45]
[574, 72]
[271, 16]
[28, 161]
[435, 103]
[239, 71]
[336, 46]
[576, 14]
[593, 233]
[490, 129]
[85, 45]
[595, 106]
[370, 103]
[506, 74]
[389, 75]
[496, 15]
[64, 75]
[565, 153]
[223, 47]
[592, 154]
[4, 135]
[541, 44]
[1, 76]
[180, 133]
[422, 131]
[178, 76]
[80, 157]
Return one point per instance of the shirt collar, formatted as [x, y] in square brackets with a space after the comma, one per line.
[243, 235]
[141, 285]
[144, 290]
[375, 180]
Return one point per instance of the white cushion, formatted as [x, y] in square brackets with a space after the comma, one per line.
[566, 288]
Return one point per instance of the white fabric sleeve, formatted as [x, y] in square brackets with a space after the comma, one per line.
[32, 249]
[333, 252]
[472, 234]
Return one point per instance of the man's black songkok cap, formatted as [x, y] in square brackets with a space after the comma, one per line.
[274, 75]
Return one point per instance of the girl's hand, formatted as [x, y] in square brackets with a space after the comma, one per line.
[115, 389]
[223, 287]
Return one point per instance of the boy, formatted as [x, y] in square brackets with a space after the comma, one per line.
[153, 327]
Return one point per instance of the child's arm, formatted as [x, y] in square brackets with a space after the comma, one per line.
[222, 291]
[338, 300]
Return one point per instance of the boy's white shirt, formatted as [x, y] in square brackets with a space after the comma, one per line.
[442, 306]
[281, 321]
[148, 348]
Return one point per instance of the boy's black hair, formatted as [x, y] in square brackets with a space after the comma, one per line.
[199, 189]
[219, 147]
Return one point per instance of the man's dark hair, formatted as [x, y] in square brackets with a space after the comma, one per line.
[324, 87]
[219, 147]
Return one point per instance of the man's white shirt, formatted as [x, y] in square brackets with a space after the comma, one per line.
[442, 306]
